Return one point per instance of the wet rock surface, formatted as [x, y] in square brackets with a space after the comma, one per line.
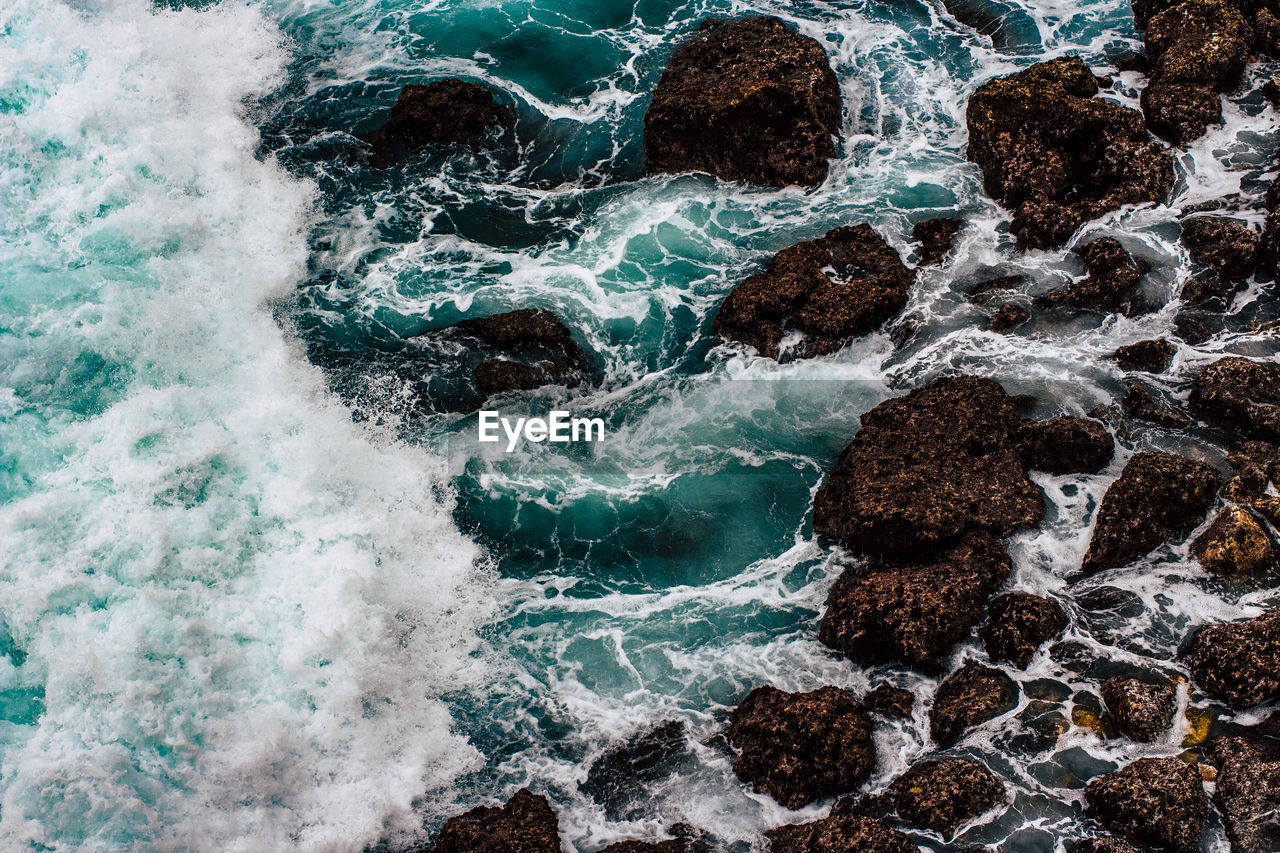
[1018, 624]
[1227, 246]
[1158, 497]
[1140, 710]
[914, 613]
[891, 701]
[935, 237]
[800, 747]
[1157, 802]
[1153, 356]
[1102, 845]
[1247, 795]
[444, 112]
[942, 795]
[1065, 445]
[526, 824]
[748, 100]
[1111, 285]
[840, 834]
[1234, 545]
[926, 468]
[969, 697]
[1059, 156]
[831, 290]
[1008, 316]
[1237, 663]
[1240, 396]
[620, 777]
[1140, 403]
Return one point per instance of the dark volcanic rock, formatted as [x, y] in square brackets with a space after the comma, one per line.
[935, 237]
[1240, 396]
[547, 352]
[914, 613]
[526, 824]
[867, 285]
[1151, 356]
[941, 795]
[1102, 845]
[1010, 315]
[800, 747]
[969, 697]
[1018, 624]
[746, 100]
[1235, 544]
[926, 468]
[1158, 497]
[1248, 796]
[840, 834]
[985, 291]
[1140, 403]
[1180, 113]
[1153, 801]
[443, 112]
[1141, 711]
[1237, 663]
[1227, 246]
[1111, 284]
[1211, 291]
[687, 840]
[620, 776]
[1065, 445]
[1058, 156]
[890, 701]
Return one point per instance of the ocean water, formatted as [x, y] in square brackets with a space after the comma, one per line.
[256, 595]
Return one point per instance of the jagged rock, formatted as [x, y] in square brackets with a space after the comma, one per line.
[942, 795]
[935, 237]
[1180, 113]
[1268, 506]
[968, 698]
[526, 824]
[890, 701]
[687, 840]
[1110, 286]
[1158, 497]
[1141, 711]
[1247, 794]
[1240, 396]
[832, 290]
[1266, 32]
[914, 613]
[1153, 801]
[620, 776]
[1247, 485]
[747, 100]
[1058, 156]
[1151, 356]
[448, 111]
[1140, 403]
[1009, 316]
[801, 747]
[840, 834]
[1065, 445]
[1234, 544]
[1211, 291]
[1271, 89]
[1227, 246]
[1132, 62]
[1102, 845]
[1018, 624]
[1237, 663]
[926, 468]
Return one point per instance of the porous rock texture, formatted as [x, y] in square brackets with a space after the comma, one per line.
[1237, 663]
[1018, 623]
[1156, 802]
[1140, 710]
[969, 697]
[525, 824]
[840, 834]
[1240, 396]
[943, 794]
[443, 112]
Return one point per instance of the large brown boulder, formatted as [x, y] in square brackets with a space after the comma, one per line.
[969, 697]
[1018, 624]
[1240, 396]
[1158, 497]
[1110, 286]
[1227, 246]
[935, 237]
[831, 290]
[914, 613]
[840, 834]
[526, 824]
[1140, 710]
[1158, 802]
[1059, 156]
[927, 468]
[1237, 663]
[746, 100]
[1065, 445]
[1247, 795]
[941, 795]
[1151, 356]
[801, 747]
[1234, 545]
[444, 112]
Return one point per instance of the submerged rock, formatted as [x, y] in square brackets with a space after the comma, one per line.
[1234, 545]
[1008, 316]
[1140, 403]
[1141, 711]
[1018, 624]
[935, 237]
[747, 100]
[840, 834]
[1058, 156]
[914, 613]
[1102, 845]
[1111, 284]
[1240, 396]
[831, 290]
[1158, 497]
[1227, 246]
[526, 824]
[890, 701]
[801, 747]
[620, 776]
[1153, 356]
[687, 840]
[926, 468]
[1153, 801]
[1237, 663]
[448, 111]
[968, 698]
[942, 795]
[1247, 794]
[1065, 445]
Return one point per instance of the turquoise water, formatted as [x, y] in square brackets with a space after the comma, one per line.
[257, 596]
